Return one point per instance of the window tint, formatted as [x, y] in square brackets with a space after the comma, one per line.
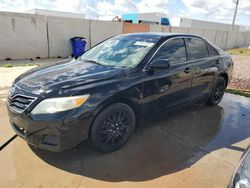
[197, 48]
[174, 50]
[211, 51]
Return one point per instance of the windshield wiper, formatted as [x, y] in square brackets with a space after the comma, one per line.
[102, 64]
[92, 61]
[96, 62]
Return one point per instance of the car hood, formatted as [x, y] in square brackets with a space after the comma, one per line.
[64, 74]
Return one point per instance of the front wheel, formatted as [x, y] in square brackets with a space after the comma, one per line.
[112, 127]
[217, 92]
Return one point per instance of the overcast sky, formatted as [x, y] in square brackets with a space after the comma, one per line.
[213, 10]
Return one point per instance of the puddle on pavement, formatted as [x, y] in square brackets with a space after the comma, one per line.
[165, 145]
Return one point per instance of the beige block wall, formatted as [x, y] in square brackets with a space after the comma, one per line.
[247, 42]
[198, 32]
[210, 34]
[61, 30]
[22, 36]
[30, 36]
[221, 38]
[165, 29]
[179, 30]
[231, 39]
[240, 41]
[101, 30]
[155, 28]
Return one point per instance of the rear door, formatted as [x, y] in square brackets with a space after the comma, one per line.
[204, 61]
[166, 88]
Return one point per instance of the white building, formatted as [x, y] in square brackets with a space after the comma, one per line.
[178, 21]
[55, 13]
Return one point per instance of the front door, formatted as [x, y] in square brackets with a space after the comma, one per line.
[167, 88]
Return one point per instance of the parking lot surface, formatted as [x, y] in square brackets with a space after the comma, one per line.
[196, 146]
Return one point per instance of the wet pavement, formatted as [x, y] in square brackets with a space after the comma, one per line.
[197, 146]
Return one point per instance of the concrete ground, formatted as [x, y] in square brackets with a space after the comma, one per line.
[197, 146]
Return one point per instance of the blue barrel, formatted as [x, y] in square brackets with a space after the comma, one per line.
[78, 46]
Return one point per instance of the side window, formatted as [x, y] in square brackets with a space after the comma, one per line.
[197, 48]
[211, 51]
[174, 50]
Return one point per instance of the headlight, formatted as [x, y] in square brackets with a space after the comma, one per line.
[53, 105]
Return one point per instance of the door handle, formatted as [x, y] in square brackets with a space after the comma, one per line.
[217, 61]
[187, 70]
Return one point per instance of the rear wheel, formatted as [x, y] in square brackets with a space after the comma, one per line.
[217, 92]
[113, 127]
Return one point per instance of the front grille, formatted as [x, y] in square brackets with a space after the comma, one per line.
[20, 102]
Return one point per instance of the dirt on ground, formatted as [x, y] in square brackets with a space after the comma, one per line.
[241, 73]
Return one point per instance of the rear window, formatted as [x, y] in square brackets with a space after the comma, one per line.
[197, 48]
[211, 51]
[219, 51]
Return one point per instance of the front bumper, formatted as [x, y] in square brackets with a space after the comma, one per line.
[53, 132]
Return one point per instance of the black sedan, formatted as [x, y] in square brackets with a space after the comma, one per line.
[114, 87]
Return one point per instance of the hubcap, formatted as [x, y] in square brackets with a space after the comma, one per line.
[114, 129]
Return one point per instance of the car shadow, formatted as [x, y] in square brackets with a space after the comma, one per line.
[164, 145]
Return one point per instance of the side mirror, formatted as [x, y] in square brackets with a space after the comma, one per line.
[159, 64]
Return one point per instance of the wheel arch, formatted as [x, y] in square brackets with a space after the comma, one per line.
[225, 76]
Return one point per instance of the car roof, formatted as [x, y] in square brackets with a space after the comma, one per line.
[163, 34]
[166, 35]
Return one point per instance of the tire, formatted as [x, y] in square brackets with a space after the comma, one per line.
[112, 127]
[217, 92]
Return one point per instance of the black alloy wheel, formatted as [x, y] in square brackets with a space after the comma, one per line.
[113, 127]
[217, 92]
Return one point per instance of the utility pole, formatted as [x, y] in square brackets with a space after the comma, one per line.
[235, 13]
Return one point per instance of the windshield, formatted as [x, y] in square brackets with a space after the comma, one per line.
[121, 51]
